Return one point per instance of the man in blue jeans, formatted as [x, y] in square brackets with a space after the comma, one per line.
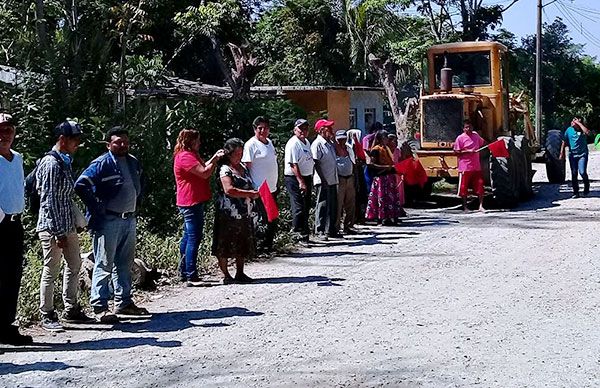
[575, 138]
[110, 188]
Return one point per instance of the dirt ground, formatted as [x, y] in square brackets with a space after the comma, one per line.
[501, 299]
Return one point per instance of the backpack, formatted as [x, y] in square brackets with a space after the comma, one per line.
[32, 196]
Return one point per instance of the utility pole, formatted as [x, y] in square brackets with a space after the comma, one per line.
[538, 71]
[538, 75]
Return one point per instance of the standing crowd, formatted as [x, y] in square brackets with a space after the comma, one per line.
[353, 180]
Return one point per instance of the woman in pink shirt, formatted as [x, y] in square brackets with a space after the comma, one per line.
[192, 176]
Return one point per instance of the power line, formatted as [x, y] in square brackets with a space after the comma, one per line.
[566, 13]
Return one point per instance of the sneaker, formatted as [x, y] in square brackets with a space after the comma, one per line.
[243, 278]
[11, 336]
[50, 323]
[105, 316]
[76, 315]
[575, 196]
[131, 310]
[321, 237]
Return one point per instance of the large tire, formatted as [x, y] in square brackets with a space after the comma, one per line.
[525, 172]
[503, 177]
[555, 167]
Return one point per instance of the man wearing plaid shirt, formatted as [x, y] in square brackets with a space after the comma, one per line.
[56, 227]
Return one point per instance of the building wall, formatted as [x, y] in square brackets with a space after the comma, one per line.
[361, 100]
[338, 108]
[312, 101]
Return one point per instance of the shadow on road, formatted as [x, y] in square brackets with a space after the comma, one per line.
[102, 344]
[296, 279]
[181, 320]
[48, 366]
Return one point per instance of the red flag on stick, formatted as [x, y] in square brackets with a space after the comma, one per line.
[498, 149]
[413, 171]
[268, 201]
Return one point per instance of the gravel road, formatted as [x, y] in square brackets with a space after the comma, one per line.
[501, 299]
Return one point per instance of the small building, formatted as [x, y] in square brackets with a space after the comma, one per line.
[349, 106]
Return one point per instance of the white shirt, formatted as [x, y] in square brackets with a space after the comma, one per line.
[12, 184]
[297, 152]
[264, 162]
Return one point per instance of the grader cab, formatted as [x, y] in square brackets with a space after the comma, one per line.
[469, 80]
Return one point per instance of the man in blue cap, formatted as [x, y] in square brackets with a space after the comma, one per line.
[57, 229]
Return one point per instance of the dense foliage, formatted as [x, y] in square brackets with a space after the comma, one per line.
[81, 59]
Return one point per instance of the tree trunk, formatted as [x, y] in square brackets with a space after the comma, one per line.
[245, 71]
[386, 71]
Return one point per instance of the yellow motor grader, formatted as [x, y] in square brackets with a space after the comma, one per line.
[469, 80]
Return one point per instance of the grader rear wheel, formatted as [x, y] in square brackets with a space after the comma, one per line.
[555, 167]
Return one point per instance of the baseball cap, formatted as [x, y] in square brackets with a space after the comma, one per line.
[68, 128]
[300, 122]
[5, 118]
[341, 134]
[323, 123]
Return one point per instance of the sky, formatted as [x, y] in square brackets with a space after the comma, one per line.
[580, 16]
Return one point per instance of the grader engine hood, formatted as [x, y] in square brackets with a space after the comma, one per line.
[442, 117]
[441, 120]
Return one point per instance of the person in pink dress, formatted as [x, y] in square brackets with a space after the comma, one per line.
[466, 146]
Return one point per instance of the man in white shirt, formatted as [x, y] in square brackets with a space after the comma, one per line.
[325, 179]
[12, 204]
[298, 171]
[260, 158]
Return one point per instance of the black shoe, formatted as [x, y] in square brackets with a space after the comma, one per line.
[335, 235]
[76, 315]
[105, 316]
[243, 278]
[351, 231]
[576, 195]
[228, 280]
[50, 322]
[11, 336]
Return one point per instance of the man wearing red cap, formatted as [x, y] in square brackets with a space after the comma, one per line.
[325, 179]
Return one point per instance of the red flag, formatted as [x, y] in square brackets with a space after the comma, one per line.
[413, 171]
[498, 149]
[268, 201]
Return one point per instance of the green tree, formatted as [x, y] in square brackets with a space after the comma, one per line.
[303, 43]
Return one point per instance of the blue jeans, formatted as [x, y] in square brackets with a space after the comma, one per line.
[193, 226]
[579, 166]
[114, 250]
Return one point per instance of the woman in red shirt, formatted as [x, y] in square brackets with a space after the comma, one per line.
[192, 176]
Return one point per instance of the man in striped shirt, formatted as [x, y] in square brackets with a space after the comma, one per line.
[56, 227]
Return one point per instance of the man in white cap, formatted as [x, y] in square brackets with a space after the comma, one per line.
[12, 204]
[298, 171]
[56, 227]
[346, 193]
